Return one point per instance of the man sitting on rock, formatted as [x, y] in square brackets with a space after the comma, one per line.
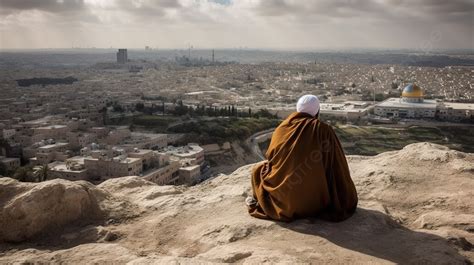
[306, 172]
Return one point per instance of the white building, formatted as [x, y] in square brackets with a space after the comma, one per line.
[191, 154]
[190, 174]
[10, 163]
[455, 111]
[413, 105]
[410, 105]
[398, 108]
[351, 110]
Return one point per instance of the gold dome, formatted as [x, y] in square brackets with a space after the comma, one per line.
[412, 91]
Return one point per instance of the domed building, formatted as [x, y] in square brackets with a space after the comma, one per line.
[412, 93]
[410, 105]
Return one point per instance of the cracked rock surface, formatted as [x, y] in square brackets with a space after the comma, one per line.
[415, 207]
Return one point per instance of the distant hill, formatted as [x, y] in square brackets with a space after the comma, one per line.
[89, 57]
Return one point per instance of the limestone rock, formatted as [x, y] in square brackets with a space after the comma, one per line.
[28, 209]
[415, 207]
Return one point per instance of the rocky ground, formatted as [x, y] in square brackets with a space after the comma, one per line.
[415, 207]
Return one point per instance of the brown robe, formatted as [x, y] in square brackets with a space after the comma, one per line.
[305, 174]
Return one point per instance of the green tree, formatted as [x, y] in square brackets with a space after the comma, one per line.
[394, 85]
[118, 108]
[24, 174]
[104, 115]
[139, 107]
[42, 173]
[379, 97]
[265, 113]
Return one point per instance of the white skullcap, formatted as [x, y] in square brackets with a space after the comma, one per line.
[308, 104]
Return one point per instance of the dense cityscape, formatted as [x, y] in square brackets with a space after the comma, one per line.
[143, 117]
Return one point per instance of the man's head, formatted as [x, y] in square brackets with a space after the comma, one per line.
[308, 104]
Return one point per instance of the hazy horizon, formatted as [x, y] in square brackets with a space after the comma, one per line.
[250, 49]
[288, 25]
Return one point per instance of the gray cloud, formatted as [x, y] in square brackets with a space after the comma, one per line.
[326, 8]
[148, 7]
[139, 8]
[442, 7]
[53, 6]
[344, 8]
[227, 23]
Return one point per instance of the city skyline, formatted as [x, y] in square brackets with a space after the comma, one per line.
[280, 24]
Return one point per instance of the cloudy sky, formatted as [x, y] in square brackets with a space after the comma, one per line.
[275, 24]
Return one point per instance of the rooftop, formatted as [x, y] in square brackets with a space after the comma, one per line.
[76, 159]
[148, 135]
[190, 168]
[8, 159]
[53, 127]
[183, 151]
[141, 151]
[61, 166]
[117, 159]
[399, 103]
[348, 106]
[454, 105]
[49, 146]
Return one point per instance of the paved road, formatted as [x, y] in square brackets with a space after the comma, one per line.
[253, 144]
